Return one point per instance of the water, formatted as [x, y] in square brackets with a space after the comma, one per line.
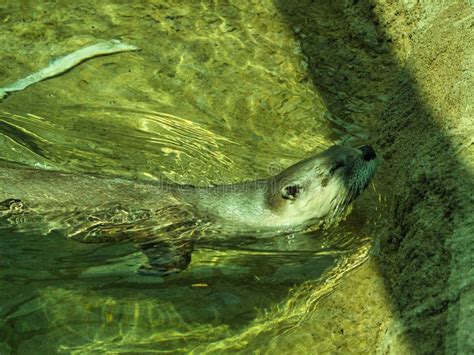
[217, 94]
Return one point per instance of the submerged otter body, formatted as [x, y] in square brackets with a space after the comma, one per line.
[162, 218]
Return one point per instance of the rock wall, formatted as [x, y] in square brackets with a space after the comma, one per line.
[426, 136]
[403, 69]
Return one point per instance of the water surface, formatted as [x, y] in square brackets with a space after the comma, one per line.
[218, 93]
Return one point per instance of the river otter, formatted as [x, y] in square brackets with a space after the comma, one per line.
[164, 219]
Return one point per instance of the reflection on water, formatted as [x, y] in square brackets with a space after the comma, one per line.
[217, 94]
[65, 295]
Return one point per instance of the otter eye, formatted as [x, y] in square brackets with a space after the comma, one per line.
[290, 192]
[338, 164]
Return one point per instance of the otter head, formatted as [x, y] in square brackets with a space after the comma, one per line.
[321, 187]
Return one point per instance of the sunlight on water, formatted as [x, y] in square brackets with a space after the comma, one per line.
[218, 94]
[86, 298]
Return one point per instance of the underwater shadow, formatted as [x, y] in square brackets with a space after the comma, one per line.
[354, 67]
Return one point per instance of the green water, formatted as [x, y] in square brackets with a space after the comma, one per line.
[218, 93]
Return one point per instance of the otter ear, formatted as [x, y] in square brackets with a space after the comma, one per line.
[289, 192]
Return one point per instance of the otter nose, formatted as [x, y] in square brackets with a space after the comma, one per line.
[368, 153]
